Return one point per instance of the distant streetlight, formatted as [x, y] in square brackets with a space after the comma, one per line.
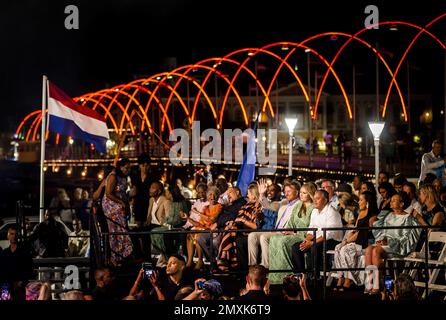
[291, 124]
[376, 128]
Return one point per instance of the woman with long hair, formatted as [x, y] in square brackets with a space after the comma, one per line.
[168, 244]
[348, 252]
[432, 214]
[116, 208]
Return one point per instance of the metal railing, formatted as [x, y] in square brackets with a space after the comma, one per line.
[314, 269]
[384, 267]
[51, 266]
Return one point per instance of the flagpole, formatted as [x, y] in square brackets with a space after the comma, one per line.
[42, 146]
[377, 86]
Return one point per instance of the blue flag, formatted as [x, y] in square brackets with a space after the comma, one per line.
[248, 169]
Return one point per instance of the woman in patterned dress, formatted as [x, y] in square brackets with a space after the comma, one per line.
[116, 206]
[349, 251]
[396, 242]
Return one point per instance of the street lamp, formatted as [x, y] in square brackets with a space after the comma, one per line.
[291, 124]
[377, 128]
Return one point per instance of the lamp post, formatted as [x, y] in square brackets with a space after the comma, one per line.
[310, 116]
[291, 124]
[376, 127]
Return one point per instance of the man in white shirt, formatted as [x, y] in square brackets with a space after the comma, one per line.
[323, 216]
[431, 161]
[261, 239]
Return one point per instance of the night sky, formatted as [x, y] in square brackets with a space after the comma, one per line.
[119, 41]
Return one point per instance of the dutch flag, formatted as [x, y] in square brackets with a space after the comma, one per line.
[68, 118]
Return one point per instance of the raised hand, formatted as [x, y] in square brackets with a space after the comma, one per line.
[262, 185]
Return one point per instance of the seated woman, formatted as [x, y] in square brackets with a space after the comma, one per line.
[246, 219]
[348, 253]
[280, 244]
[204, 221]
[349, 208]
[197, 207]
[398, 242]
[432, 214]
[386, 190]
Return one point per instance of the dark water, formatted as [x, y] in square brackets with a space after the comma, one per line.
[18, 181]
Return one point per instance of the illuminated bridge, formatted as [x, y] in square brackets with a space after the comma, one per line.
[275, 80]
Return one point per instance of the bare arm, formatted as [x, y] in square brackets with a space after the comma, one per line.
[246, 223]
[438, 219]
[303, 286]
[44, 292]
[154, 281]
[134, 289]
[97, 193]
[352, 236]
[194, 295]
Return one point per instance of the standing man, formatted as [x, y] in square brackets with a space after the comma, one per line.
[142, 179]
[328, 139]
[431, 161]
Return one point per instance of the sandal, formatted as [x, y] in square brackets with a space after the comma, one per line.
[338, 288]
[339, 284]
